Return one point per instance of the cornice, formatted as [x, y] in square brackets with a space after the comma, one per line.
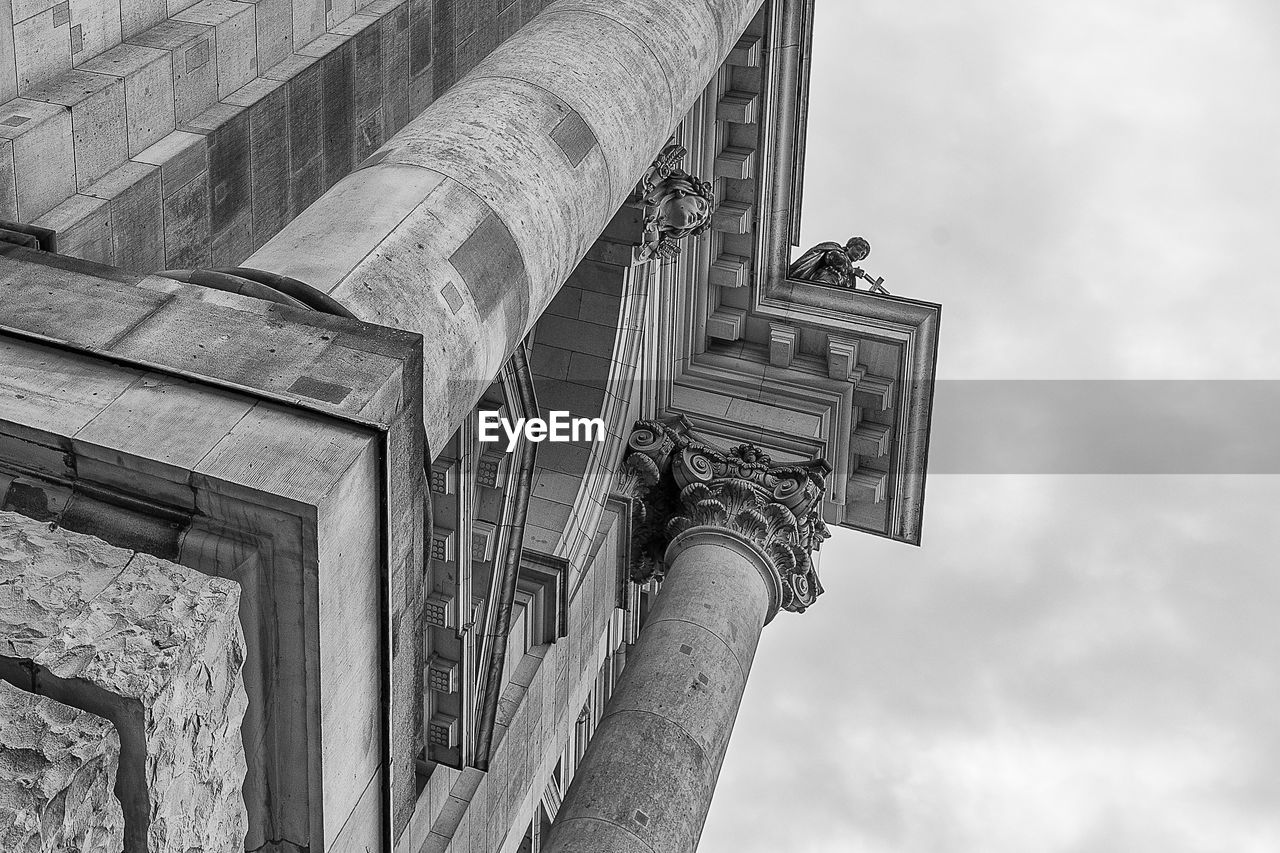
[795, 313]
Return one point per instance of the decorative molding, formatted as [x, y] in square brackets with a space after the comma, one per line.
[871, 439]
[439, 610]
[866, 330]
[733, 217]
[746, 52]
[442, 674]
[738, 107]
[784, 343]
[681, 483]
[842, 358]
[726, 324]
[728, 270]
[735, 162]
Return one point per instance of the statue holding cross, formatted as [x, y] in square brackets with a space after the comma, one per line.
[831, 263]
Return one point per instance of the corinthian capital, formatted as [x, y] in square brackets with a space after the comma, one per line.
[681, 483]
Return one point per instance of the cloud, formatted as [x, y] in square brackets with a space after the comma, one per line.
[1070, 664]
[1089, 188]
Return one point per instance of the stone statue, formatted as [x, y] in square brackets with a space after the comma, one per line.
[831, 263]
[676, 205]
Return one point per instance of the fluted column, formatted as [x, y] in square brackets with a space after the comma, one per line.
[466, 223]
[734, 533]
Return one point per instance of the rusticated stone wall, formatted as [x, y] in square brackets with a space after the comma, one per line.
[57, 775]
[154, 647]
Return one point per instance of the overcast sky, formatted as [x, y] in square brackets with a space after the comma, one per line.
[1072, 663]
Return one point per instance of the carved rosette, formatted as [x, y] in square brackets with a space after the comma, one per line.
[675, 204]
[680, 483]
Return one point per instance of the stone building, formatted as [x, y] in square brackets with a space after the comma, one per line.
[266, 270]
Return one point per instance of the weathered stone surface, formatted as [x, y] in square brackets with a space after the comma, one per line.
[57, 773]
[154, 645]
[528, 157]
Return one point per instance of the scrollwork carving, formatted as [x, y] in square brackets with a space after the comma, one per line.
[679, 483]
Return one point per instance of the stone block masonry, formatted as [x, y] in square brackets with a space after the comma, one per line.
[153, 647]
[282, 98]
[57, 772]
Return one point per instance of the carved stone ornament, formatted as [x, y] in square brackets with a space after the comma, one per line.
[679, 483]
[675, 204]
[831, 263]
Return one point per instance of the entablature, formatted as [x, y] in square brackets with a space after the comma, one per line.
[801, 368]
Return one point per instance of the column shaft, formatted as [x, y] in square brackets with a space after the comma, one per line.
[646, 780]
[466, 223]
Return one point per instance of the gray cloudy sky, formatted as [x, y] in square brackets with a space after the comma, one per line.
[1070, 664]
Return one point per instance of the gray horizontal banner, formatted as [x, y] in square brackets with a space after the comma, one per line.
[1106, 427]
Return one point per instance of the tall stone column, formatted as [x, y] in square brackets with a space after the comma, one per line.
[731, 535]
[466, 223]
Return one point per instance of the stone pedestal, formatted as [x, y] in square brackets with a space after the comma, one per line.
[731, 535]
[154, 647]
[57, 777]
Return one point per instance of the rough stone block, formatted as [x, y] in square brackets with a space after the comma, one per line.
[98, 133]
[155, 645]
[43, 160]
[235, 38]
[147, 75]
[42, 45]
[57, 776]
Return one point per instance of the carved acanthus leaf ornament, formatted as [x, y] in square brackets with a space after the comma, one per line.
[679, 483]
